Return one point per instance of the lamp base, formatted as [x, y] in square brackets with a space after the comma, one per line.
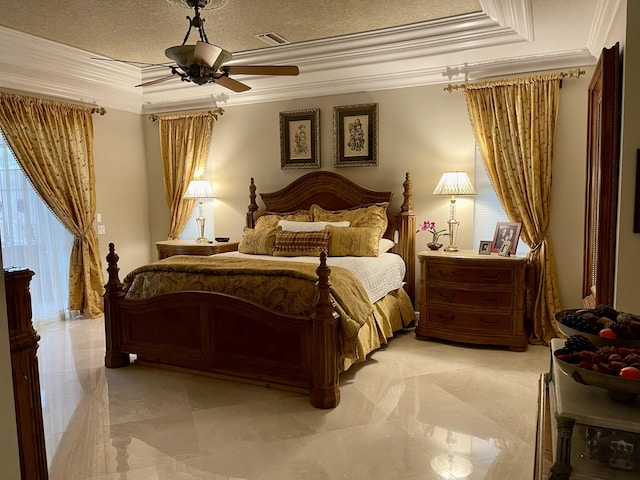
[202, 240]
[451, 248]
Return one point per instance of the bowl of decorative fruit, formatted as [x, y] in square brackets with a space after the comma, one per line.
[601, 326]
[616, 369]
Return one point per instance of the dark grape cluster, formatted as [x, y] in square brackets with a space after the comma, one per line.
[605, 311]
[582, 323]
[577, 343]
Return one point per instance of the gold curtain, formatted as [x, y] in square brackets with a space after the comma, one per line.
[514, 123]
[53, 143]
[184, 144]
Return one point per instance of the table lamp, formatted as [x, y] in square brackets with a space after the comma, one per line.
[197, 190]
[453, 183]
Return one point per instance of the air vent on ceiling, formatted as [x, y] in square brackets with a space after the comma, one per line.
[272, 39]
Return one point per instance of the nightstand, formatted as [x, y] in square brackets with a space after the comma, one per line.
[472, 298]
[168, 248]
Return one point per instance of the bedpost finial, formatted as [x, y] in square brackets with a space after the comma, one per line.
[407, 205]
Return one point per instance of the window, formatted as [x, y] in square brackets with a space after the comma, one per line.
[32, 237]
[487, 208]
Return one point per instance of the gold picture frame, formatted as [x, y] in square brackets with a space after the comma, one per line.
[300, 139]
[355, 135]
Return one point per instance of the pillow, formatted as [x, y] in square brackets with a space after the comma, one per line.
[369, 216]
[270, 220]
[258, 242]
[290, 226]
[353, 241]
[385, 245]
[301, 244]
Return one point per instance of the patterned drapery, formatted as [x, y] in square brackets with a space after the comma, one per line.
[53, 143]
[514, 123]
[184, 144]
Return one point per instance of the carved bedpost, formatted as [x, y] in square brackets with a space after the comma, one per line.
[325, 390]
[253, 206]
[113, 330]
[407, 231]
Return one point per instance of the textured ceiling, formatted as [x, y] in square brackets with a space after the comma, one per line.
[140, 30]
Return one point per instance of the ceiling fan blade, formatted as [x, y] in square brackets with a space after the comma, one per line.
[206, 54]
[232, 84]
[157, 80]
[261, 69]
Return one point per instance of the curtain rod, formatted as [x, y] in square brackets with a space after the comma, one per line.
[100, 110]
[214, 113]
[570, 74]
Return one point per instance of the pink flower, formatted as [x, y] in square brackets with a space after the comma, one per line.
[428, 226]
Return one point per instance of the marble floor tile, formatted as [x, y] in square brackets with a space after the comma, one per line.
[414, 410]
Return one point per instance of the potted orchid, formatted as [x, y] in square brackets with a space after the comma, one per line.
[430, 227]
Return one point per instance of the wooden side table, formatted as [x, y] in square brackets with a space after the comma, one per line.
[168, 248]
[471, 298]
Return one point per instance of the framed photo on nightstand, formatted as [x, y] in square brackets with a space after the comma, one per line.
[506, 232]
[485, 247]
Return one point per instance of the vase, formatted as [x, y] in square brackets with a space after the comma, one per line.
[434, 246]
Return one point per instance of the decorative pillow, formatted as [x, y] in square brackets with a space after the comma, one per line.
[385, 245]
[290, 226]
[367, 216]
[353, 241]
[258, 242]
[301, 244]
[270, 220]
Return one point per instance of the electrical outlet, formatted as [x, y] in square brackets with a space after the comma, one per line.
[102, 229]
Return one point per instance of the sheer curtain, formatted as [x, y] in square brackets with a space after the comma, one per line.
[32, 237]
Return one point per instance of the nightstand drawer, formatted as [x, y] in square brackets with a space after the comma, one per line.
[480, 321]
[481, 298]
[438, 272]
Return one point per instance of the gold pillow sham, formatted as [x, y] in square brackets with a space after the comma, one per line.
[258, 242]
[353, 241]
[270, 220]
[367, 216]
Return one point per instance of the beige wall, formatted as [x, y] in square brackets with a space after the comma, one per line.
[121, 187]
[422, 130]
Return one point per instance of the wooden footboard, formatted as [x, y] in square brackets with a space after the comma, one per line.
[227, 336]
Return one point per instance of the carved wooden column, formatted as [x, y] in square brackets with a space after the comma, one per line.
[23, 342]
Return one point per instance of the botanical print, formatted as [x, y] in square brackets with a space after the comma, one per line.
[355, 136]
[299, 144]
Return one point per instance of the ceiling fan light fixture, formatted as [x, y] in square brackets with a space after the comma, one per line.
[181, 54]
[206, 54]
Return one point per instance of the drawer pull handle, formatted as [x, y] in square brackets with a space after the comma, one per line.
[486, 276]
[489, 322]
[448, 318]
[490, 300]
[446, 274]
[447, 297]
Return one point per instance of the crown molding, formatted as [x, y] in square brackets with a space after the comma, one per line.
[405, 56]
[43, 67]
[606, 12]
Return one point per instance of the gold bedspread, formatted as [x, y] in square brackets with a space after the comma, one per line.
[287, 287]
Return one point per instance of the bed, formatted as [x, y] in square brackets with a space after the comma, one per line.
[300, 345]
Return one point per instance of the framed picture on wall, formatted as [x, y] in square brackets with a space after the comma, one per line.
[355, 135]
[300, 139]
[506, 232]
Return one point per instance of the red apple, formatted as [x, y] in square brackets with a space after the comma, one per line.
[607, 333]
[630, 372]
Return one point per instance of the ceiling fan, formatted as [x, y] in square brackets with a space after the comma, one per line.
[203, 62]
